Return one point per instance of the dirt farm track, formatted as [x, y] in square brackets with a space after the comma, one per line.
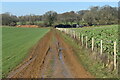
[52, 57]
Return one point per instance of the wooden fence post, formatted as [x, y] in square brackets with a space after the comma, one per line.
[92, 44]
[74, 34]
[82, 39]
[66, 31]
[86, 41]
[79, 36]
[71, 33]
[101, 47]
[115, 55]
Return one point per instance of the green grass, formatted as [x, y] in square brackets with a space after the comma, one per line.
[90, 64]
[17, 43]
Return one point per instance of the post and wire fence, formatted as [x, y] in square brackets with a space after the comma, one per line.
[84, 42]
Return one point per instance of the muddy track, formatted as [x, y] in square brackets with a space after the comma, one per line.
[52, 57]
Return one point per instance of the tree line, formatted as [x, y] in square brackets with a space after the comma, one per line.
[96, 15]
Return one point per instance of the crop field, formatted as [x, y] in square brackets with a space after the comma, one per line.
[108, 35]
[101, 40]
[17, 43]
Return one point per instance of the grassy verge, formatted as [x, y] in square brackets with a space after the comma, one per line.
[94, 67]
[16, 43]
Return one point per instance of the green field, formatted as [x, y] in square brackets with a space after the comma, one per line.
[94, 62]
[92, 65]
[109, 34]
[16, 43]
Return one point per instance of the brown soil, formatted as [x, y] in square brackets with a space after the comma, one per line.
[34, 26]
[51, 58]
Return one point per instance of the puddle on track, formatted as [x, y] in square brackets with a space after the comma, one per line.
[54, 65]
[66, 72]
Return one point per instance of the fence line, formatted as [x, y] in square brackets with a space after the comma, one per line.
[115, 56]
[80, 36]
[92, 44]
[86, 41]
[101, 47]
[82, 39]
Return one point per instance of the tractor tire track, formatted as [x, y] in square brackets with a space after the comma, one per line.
[51, 58]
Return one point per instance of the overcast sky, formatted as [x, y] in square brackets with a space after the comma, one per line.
[39, 8]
